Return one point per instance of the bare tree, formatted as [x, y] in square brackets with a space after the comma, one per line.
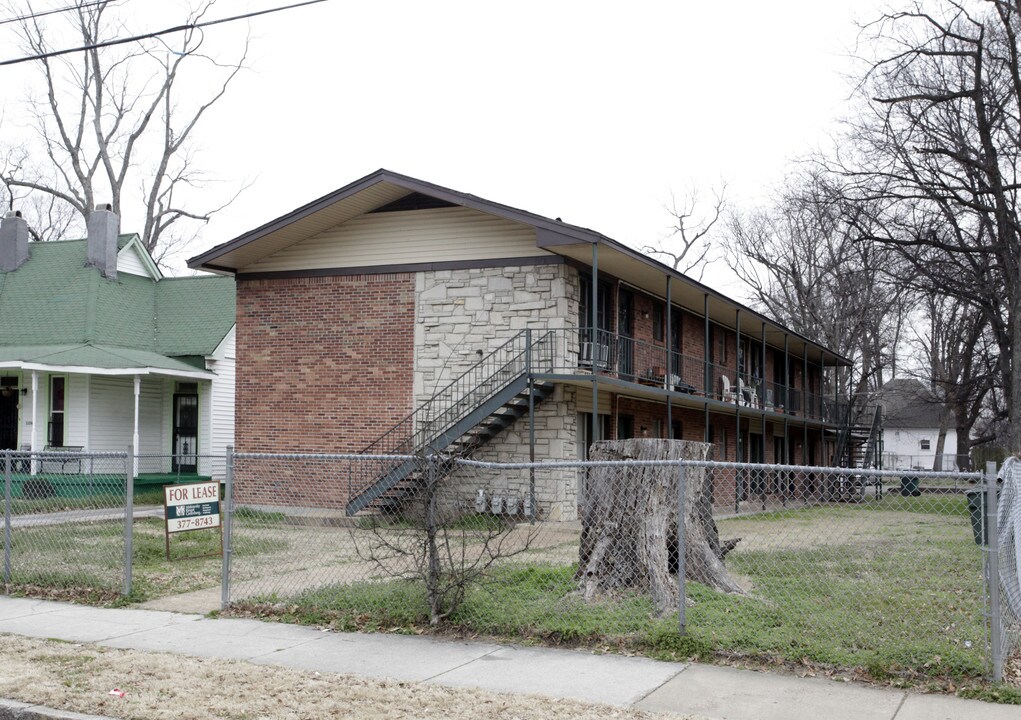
[433, 542]
[686, 248]
[803, 265]
[933, 158]
[958, 363]
[113, 122]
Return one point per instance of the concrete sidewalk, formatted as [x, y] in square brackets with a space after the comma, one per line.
[706, 690]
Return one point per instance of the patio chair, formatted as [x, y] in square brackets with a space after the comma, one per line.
[747, 394]
[727, 394]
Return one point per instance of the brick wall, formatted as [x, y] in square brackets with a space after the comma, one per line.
[323, 364]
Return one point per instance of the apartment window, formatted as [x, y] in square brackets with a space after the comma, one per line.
[625, 427]
[55, 433]
[924, 443]
[657, 321]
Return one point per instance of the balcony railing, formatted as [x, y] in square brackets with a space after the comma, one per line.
[624, 358]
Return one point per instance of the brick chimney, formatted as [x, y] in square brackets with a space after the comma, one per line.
[103, 228]
[13, 241]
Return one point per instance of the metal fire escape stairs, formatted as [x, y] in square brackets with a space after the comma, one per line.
[858, 446]
[466, 414]
[857, 442]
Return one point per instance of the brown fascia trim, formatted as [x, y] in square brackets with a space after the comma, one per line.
[416, 267]
[414, 185]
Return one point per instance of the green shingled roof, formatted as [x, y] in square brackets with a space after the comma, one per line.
[55, 310]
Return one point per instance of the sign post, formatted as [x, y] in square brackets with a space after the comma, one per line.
[195, 506]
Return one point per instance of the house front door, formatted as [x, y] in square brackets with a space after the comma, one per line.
[9, 413]
[186, 433]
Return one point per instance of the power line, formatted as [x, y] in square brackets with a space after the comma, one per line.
[148, 36]
[54, 11]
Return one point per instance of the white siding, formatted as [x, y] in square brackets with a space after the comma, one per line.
[129, 262]
[407, 237]
[902, 447]
[222, 406]
[112, 415]
[150, 415]
[76, 411]
[205, 465]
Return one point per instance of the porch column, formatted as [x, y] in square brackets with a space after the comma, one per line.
[134, 435]
[804, 405]
[34, 439]
[595, 353]
[668, 342]
[786, 374]
[737, 357]
[762, 380]
[787, 399]
[705, 348]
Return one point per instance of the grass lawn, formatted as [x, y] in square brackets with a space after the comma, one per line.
[85, 561]
[112, 499]
[892, 588]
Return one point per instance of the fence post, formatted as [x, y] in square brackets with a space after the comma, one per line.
[531, 424]
[993, 555]
[7, 517]
[682, 615]
[129, 516]
[228, 514]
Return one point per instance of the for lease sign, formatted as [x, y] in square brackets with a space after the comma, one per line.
[192, 507]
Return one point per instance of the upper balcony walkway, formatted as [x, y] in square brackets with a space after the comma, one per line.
[651, 370]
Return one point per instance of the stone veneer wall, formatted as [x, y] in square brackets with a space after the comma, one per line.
[459, 312]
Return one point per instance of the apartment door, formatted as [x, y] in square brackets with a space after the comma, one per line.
[186, 432]
[626, 333]
[594, 343]
[756, 456]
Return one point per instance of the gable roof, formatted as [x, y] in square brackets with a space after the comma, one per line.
[908, 403]
[384, 187]
[57, 311]
[364, 195]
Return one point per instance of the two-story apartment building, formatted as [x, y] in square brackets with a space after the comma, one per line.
[394, 315]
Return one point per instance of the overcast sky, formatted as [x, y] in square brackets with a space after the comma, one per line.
[589, 111]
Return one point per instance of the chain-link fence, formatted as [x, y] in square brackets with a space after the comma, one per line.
[884, 570]
[64, 522]
[1003, 543]
[851, 568]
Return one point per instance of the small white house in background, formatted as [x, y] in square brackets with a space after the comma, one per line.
[99, 351]
[911, 420]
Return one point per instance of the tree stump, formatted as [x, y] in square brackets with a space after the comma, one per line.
[629, 524]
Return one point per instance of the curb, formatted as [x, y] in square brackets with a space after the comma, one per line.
[14, 710]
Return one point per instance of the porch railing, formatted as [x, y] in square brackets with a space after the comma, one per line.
[625, 358]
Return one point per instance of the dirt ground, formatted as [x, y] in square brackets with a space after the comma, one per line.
[158, 686]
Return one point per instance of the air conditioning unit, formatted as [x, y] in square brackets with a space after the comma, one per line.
[601, 359]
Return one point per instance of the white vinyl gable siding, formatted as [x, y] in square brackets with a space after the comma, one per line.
[129, 262]
[407, 237]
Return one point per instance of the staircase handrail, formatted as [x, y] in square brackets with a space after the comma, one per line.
[406, 436]
[871, 449]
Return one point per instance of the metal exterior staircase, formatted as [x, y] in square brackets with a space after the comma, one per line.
[858, 443]
[469, 412]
